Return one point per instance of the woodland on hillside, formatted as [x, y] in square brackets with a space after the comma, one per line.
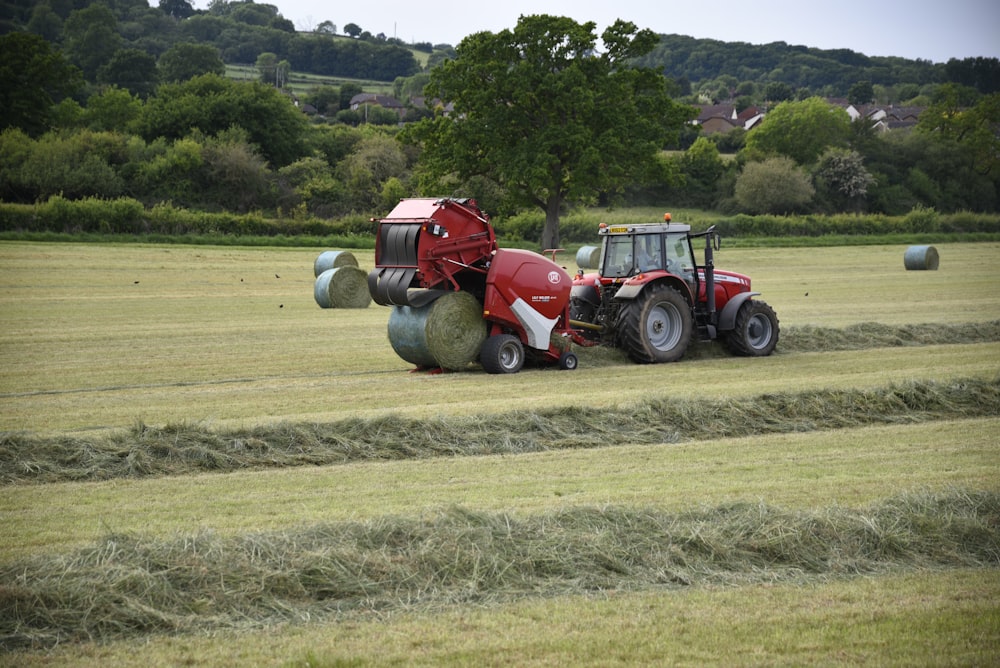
[123, 99]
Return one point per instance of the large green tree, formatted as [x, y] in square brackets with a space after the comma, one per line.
[33, 76]
[91, 38]
[212, 104]
[184, 61]
[540, 111]
[801, 130]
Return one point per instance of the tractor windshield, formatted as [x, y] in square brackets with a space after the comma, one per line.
[627, 255]
[616, 261]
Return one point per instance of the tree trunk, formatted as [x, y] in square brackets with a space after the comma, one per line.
[550, 233]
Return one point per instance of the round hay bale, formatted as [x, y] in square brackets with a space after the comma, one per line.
[333, 259]
[588, 257]
[921, 257]
[343, 287]
[446, 333]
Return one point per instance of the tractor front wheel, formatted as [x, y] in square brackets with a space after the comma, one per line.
[655, 327]
[756, 331]
[502, 353]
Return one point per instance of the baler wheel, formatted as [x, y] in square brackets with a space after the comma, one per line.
[568, 361]
[502, 353]
[655, 327]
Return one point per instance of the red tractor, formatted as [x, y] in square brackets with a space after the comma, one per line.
[649, 297]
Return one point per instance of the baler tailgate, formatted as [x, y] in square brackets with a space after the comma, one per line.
[396, 264]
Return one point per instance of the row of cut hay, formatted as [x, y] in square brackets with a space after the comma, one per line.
[866, 335]
[181, 449]
[127, 586]
[815, 339]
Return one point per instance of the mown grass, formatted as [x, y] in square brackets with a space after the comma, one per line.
[132, 585]
[190, 352]
[183, 449]
[918, 618]
[99, 337]
[798, 470]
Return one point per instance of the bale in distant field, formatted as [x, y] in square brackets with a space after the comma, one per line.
[446, 333]
[588, 257]
[343, 287]
[921, 257]
[333, 259]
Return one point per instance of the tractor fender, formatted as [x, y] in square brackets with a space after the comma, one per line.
[727, 318]
[587, 293]
[633, 289]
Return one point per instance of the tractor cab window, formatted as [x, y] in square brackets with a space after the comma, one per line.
[629, 255]
[617, 257]
[648, 252]
[679, 259]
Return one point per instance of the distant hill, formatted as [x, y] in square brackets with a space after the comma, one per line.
[825, 71]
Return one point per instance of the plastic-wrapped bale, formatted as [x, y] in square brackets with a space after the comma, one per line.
[446, 333]
[588, 257]
[921, 257]
[343, 287]
[332, 259]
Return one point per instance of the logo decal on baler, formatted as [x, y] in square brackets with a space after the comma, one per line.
[554, 277]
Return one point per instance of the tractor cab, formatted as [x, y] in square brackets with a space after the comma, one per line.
[631, 250]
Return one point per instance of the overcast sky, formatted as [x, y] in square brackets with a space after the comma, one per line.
[934, 31]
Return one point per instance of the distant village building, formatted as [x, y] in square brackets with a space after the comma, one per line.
[714, 118]
[359, 101]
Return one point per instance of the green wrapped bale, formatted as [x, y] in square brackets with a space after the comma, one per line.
[446, 333]
[588, 257]
[343, 287]
[921, 257]
[332, 259]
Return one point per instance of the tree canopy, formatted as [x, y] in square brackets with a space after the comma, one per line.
[801, 130]
[539, 111]
[33, 76]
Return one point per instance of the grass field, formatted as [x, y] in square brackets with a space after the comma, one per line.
[97, 339]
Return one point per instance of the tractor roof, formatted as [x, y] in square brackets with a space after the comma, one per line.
[643, 228]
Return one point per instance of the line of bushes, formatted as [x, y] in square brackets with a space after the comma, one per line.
[582, 227]
[127, 216]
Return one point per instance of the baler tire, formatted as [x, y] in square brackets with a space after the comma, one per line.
[656, 327]
[502, 353]
[756, 331]
[568, 361]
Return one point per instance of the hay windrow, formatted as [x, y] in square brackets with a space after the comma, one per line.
[181, 449]
[867, 335]
[342, 287]
[130, 585]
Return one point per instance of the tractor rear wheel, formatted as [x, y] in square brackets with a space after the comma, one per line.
[756, 331]
[655, 327]
[502, 353]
